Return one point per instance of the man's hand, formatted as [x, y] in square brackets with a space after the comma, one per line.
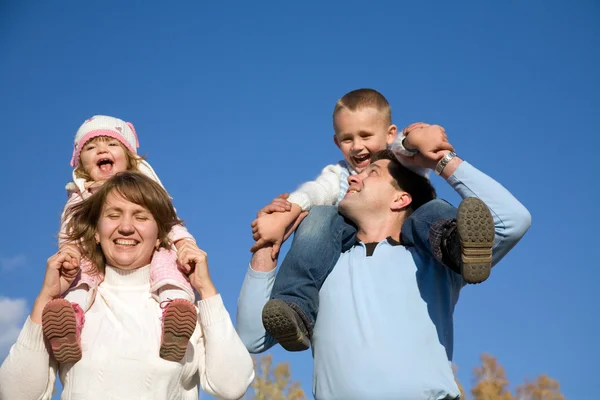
[431, 142]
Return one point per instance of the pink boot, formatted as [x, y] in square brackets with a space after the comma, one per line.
[178, 324]
[62, 322]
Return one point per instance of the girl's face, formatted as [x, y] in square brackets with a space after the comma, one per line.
[103, 157]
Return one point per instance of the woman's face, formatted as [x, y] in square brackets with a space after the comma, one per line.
[127, 232]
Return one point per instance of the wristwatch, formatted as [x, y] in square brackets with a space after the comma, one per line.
[443, 162]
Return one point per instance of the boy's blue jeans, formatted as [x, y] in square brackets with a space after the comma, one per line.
[321, 238]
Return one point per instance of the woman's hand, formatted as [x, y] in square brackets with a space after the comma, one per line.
[61, 269]
[194, 263]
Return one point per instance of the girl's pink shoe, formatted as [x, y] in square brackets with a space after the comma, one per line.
[178, 324]
[62, 322]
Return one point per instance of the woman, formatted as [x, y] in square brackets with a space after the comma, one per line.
[119, 228]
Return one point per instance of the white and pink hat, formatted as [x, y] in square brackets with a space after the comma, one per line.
[102, 125]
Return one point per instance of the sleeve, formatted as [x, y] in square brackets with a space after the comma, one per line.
[226, 368]
[28, 372]
[256, 291]
[397, 147]
[323, 191]
[511, 218]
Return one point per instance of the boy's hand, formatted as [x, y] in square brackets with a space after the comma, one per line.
[431, 142]
[279, 204]
[275, 223]
[269, 228]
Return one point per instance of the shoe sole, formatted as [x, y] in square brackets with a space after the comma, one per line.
[476, 231]
[179, 323]
[59, 326]
[280, 322]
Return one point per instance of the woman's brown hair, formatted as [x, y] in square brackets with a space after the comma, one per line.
[132, 186]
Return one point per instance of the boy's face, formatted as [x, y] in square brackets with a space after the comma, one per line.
[361, 133]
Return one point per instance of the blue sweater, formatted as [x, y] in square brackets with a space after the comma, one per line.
[385, 323]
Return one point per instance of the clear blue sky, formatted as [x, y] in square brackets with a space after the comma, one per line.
[232, 104]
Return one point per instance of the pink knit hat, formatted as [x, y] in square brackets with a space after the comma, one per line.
[102, 125]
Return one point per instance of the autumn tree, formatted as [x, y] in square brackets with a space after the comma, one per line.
[490, 383]
[273, 382]
[490, 380]
[542, 388]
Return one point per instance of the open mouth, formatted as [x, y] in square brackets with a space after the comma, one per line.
[105, 165]
[126, 242]
[362, 160]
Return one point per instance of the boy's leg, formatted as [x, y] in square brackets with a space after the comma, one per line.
[318, 242]
[461, 239]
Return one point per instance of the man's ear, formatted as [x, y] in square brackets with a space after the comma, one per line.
[401, 201]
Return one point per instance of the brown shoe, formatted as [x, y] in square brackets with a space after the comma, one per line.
[475, 228]
[285, 325]
[178, 324]
[62, 322]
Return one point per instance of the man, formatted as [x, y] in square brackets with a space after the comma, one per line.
[385, 324]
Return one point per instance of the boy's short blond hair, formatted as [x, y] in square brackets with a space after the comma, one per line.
[360, 99]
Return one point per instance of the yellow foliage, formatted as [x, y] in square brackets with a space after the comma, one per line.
[490, 383]
[274, 382]
[542, 388]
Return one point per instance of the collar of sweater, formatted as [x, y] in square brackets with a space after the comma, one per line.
[123, 277]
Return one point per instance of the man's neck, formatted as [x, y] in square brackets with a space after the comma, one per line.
[374, 230]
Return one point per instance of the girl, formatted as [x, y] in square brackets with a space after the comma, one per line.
[105, 146]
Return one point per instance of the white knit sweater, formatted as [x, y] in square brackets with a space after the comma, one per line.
[120, 343]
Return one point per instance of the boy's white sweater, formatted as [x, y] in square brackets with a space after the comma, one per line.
[120, 343]
[332, 183]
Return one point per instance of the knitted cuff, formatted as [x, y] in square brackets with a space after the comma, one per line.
[31, 336]
[211, 310]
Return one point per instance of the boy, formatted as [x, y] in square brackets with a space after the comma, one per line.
[362, 123]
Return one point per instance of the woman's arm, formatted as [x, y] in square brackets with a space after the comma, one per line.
[225, 366]
[28, 372]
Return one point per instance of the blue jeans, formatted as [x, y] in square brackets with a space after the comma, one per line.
[321, 238]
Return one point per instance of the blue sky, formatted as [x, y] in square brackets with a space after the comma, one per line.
[233, 102]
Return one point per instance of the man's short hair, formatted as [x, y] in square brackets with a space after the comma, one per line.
[419, 187]
[360, 99]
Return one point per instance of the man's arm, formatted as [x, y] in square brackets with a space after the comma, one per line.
[256, 291]
[511, 218]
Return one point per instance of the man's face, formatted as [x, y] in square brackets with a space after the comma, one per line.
[370, 192]
[361, 133]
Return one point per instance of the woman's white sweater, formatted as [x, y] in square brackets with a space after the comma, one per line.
[120, 343]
